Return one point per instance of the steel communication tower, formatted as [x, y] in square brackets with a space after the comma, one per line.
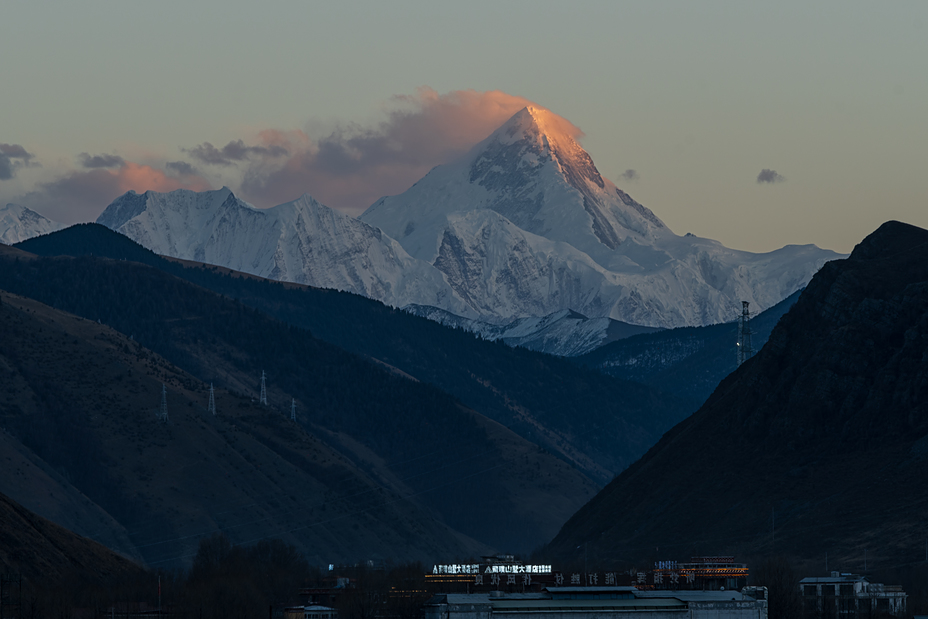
[211, 407]
[263, 398]
[292, 409]
[163, 411]
[743, 347]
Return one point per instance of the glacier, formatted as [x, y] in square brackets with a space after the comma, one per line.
[525, 225]
[522, 227]
[302, 241]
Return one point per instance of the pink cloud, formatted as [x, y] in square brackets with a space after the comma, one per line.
[355, 165]
[82, 195]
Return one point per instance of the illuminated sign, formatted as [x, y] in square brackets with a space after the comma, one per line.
[456, 569]
[473, 568]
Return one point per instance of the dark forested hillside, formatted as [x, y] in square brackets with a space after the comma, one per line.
[817, 446]
[690, 361]
[597, 423]
[83, 400]
[408, 437]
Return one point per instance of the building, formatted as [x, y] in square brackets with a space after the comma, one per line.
[601, 603]
[850, 596]
[319, 612]
[716, 573]
[503, 573]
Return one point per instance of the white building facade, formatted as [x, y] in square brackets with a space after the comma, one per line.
[850, 596]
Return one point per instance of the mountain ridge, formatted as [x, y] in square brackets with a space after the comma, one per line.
[829, 419]
[537, 396]
[543, 231]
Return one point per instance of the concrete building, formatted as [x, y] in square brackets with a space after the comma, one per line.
[319, 612]
[601, 603]
[850, 596]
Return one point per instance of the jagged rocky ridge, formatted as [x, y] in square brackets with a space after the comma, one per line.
[565, 333]
[525, 225]
[522, 226]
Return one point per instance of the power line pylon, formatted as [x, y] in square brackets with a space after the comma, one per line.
[292, 409]
[163, 411]
[263, 398]
[211, 407]
[744, 348]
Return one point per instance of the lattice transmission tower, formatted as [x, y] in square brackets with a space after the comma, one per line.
[263, 398]
[744, 348]
[292, 409]
[211, 407]
[163, 411]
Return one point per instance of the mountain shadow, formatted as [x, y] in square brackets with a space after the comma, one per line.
[817, 446]
[596, 423]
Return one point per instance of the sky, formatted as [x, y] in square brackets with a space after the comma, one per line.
[756, 124]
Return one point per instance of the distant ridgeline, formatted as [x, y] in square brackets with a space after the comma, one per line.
[688, 361]
[519, 388]
[813, 448]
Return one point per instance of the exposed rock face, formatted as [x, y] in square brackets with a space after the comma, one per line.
[824, 430]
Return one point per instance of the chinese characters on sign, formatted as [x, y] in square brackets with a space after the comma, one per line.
[473, 568]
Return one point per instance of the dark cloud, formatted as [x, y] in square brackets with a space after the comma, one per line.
[100, 161]
[770, 176]
[15, 151]
[355, 165]
[6, 168]
[180, 168]
[12, 157]
[233, 152]
[630, 175]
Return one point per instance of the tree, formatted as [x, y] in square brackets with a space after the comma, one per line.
[784, 601]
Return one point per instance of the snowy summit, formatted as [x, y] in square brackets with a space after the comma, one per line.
[523, 225]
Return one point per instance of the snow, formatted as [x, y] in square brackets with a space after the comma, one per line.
[18, 223]
[301, 241]
[522, 226]
[565, 333]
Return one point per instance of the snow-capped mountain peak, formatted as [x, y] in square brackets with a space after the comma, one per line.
[523, 225]
[18, 223]
[302, 241]
[565, 237]
[533, 172]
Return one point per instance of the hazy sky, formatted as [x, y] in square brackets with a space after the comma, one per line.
[757, 124]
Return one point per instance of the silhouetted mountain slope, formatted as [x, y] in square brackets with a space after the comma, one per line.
[37, 548]
[596, 423]
[825, 431]
[84, 398]
[689, 361]
[409, 438]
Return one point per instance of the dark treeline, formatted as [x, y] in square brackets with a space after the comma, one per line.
[225, 581]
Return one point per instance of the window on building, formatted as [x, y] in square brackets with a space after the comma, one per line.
[847, 590]
[828, 590]
[809, 590]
